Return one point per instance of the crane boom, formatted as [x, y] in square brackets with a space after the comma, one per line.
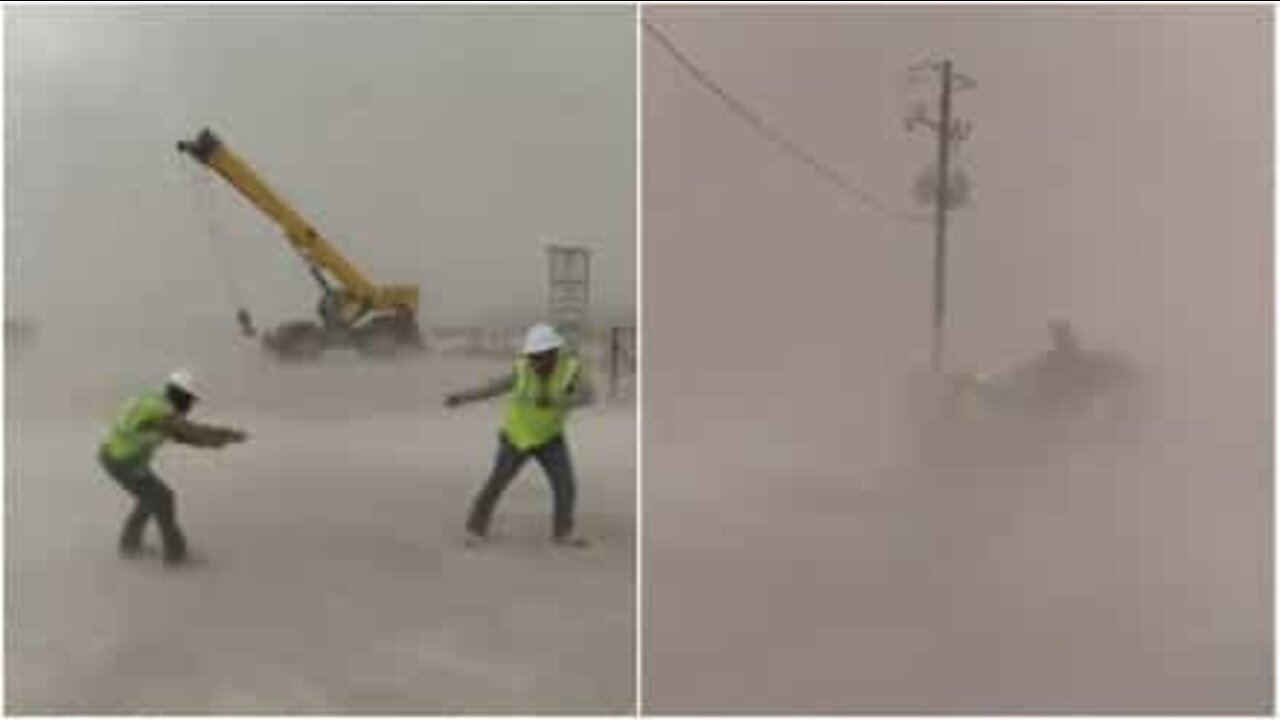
[378, 319]
[315, 250]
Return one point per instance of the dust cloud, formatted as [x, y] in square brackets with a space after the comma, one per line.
[803, 551]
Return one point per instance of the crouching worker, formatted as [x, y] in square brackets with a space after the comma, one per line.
[546, 385]
[144, 423]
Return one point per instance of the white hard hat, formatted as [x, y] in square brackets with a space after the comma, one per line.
[185, 381]
[541, 338]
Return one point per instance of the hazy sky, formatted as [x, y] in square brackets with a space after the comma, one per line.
[433, 145]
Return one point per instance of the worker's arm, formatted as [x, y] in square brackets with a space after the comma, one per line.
[182, 430]
[582, 392]
[494, 388]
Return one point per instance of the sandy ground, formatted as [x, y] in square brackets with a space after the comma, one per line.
[786, 578]
[335, 579]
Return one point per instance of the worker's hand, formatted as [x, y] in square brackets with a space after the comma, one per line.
[228, 436]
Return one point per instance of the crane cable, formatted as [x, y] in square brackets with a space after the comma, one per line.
[765, 129]
[202, 194]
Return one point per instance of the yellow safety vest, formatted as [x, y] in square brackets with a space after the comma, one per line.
[133, 437]
[537, 406]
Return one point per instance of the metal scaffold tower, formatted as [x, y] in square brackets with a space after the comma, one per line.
[570, 275]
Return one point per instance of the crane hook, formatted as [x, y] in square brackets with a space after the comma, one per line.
[246, 323]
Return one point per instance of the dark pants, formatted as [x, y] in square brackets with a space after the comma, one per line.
[554, 458]
[153, 499]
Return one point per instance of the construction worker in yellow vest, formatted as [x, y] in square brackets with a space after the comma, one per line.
[546, 384]
[144, 424]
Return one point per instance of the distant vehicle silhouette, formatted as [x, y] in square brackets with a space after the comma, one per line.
[1066, 397]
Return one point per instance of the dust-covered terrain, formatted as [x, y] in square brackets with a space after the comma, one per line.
[334, 579]
[839, 576]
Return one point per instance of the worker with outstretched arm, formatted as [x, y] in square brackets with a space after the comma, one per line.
[1062, 371]
[546, 384]
[144, 424]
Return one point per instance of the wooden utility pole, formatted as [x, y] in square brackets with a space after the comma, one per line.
[941, 202]
[946, 192]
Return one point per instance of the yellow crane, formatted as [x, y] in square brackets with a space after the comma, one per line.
[376, 319]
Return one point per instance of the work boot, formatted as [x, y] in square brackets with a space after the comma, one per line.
[131, 551]
[477, 532]
[573, 541]
[131, 536]
[186, 561]
[175, 559]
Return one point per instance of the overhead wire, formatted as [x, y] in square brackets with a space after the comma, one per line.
[767, 130]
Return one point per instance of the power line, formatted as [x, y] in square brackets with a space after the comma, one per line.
[758, 123]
